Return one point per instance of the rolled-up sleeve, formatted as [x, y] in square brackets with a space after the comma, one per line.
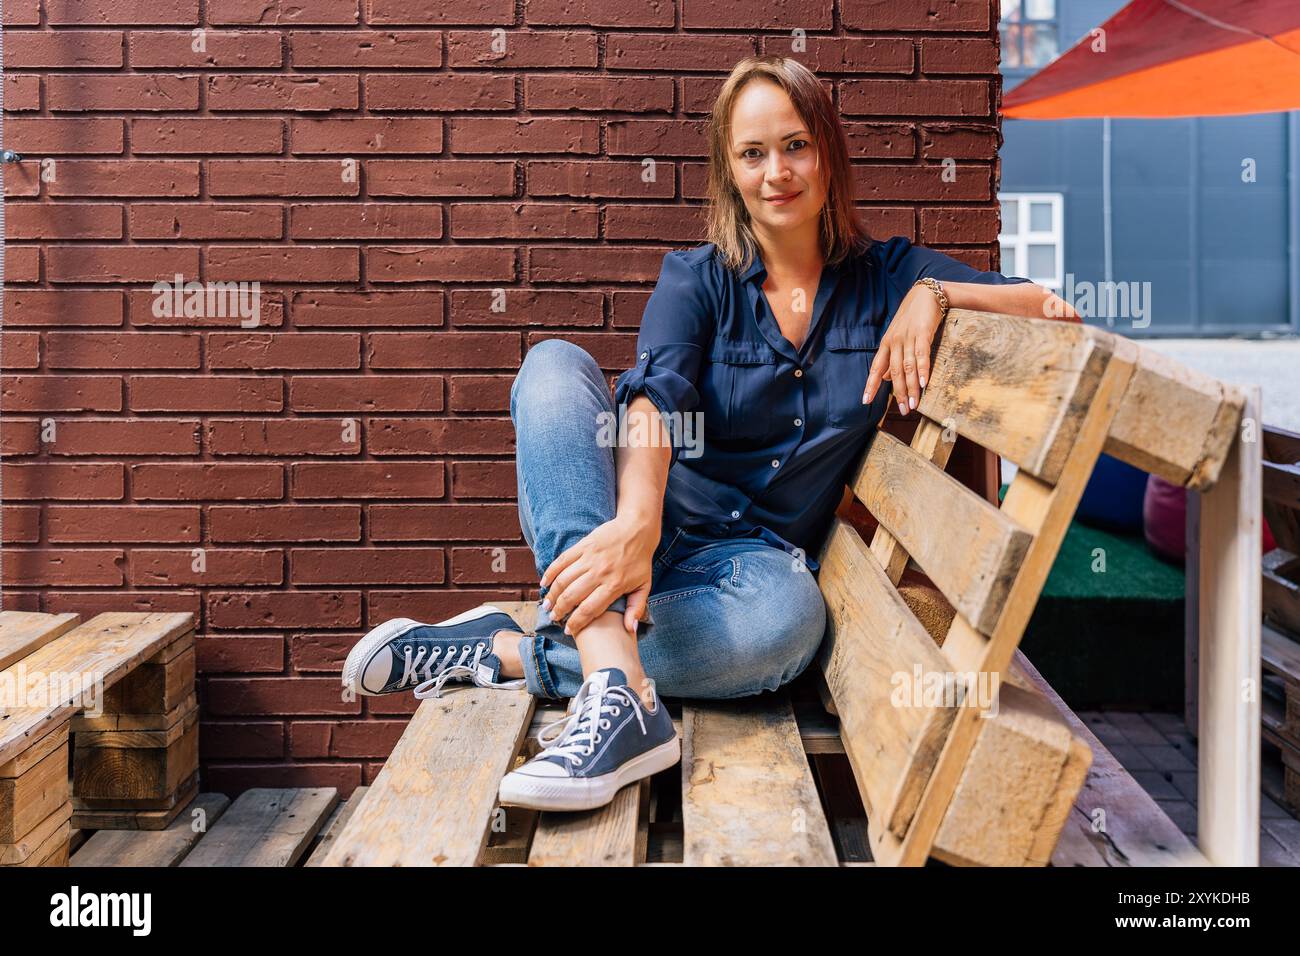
[904, 263]
[675, 331]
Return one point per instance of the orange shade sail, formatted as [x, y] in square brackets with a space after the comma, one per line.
[1159, 58]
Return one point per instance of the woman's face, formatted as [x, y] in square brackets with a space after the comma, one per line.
[774, 159]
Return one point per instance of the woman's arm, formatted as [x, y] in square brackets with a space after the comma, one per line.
[642, 466]
[904, 356]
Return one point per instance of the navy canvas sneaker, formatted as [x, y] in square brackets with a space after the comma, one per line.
[607, 739]
[402, 653]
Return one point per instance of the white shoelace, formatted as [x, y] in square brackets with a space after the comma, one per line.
[450, 667]
[576, 734]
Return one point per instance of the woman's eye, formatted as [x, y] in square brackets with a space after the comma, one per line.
[800, 142]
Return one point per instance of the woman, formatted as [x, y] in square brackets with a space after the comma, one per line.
[776, 335]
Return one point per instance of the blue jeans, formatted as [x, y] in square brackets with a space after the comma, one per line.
[726, 618]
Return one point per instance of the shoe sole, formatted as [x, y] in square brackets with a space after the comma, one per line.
[365, 648]
[585, 793]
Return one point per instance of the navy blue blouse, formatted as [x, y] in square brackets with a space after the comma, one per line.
[782, 427]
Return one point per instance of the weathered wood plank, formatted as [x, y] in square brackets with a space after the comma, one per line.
[872, 638]
[334, 826]
[748, 795]
[265, 827]
[1017, 386]
[966, 546]
[606, 836]
[431, 805]
[103, 650]
[22, 632]
[165, 847]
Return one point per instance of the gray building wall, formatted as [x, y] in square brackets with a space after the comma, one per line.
[1222, 256]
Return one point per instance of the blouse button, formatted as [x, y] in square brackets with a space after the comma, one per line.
[798, 373]
[798, 422]
[776, 463]
[644, 354]
[735, 514]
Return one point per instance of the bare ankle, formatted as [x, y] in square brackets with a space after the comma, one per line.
[505, 645]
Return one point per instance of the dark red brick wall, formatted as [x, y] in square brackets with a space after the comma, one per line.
[476, 170]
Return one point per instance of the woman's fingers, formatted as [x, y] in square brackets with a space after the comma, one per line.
[562, 561]
[592, 606]
[879, 365]
[899, 378]
[911, 365]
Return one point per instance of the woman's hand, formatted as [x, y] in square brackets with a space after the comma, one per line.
[614, 559]
[904, 355]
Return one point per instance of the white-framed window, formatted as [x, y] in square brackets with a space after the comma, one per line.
[1029, 34]
[1033, 237]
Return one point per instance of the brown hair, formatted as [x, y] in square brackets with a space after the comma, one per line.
[728, 226]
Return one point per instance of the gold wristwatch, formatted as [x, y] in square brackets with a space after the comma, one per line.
[935, 286]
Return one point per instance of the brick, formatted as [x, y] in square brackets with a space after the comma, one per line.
[219, 567]
[86, 481]
[391, 479]
[483, 479]
[348, 309]
[22, 13]
[441, 264]
[22, 264]
[612, 179]
[923, 183]
[280, 178]
[656, 138]
[94, 177]
[63, 221]
[425, 605]
[366, 49]
[90, 603]
[22, 93]
[443, 522]
[22, 350]
[366, 393]
[413, 436]
[121, 12]
[683, 224]
[240, 739]
[943, 55]
[611, 350]
[480, 566]
[54, 137]
[476, 48]
[660, 51]
[122, 524]
[154, 91]
[261, 609]
[594, 264]
[320, 652]
[116, 437]
[258, 696]
[22, 437]
[121, 350]
[955, 141]
[206, 221]
[913, 97]
[209, 393]
[366, 566]
[421, 13]
[370, 220]
[439, 93]
[64, 393]
[206, 136]
[593, 13]
[285, 523]
[222, 49]
[527, 307]
[297, 94]
[880, 140]
[283, 350]
[223, 481]
[883, 16]
[283, 438]
[565, 91]
[823, 54]
[55, 567]
[238, 654]
[523, 221]
[63, 49]
[22, 524]
[283, 263]
[270, 13]
[402, 177]
[959, 225]
[443, 350]
[359, 136]
[475, 134]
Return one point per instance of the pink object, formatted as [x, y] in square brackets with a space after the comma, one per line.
[1164, 518]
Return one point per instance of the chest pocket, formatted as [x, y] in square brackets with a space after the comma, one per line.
[739, 389]
[848, 357]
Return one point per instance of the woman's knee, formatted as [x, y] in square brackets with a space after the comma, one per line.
[549, 367]
[784, 618]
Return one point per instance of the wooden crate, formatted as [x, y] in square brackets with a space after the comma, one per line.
[34, 802]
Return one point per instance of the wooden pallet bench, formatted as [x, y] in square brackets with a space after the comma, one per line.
[946, 779]
[53, 670]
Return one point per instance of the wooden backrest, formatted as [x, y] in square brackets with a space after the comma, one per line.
[1050, 397]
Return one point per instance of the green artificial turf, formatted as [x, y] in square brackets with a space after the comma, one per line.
[1111, 638]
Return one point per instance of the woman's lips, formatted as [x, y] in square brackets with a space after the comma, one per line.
[782, 200]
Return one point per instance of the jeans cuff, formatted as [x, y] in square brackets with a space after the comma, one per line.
[619, 604]
[537, 673]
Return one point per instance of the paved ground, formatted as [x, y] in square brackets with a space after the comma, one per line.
[1160, 754]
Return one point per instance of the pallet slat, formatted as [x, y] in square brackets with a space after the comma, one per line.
[153, 847]
[608, 836]
[265, 827]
